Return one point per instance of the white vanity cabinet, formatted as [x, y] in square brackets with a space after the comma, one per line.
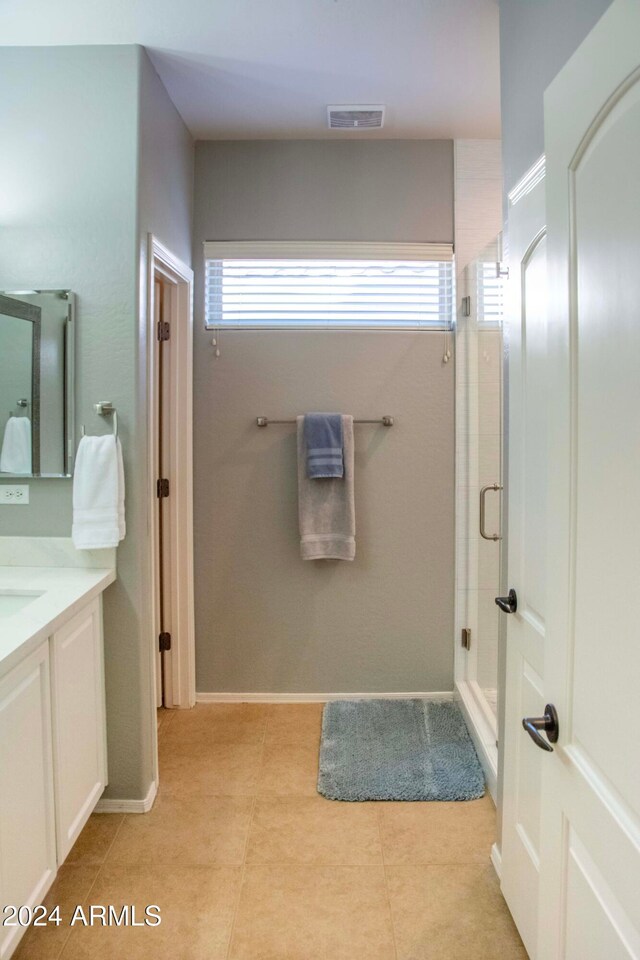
[27, 816]
[52, 755]
[79, 725]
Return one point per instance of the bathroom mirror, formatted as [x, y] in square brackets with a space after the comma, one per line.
[36, 383]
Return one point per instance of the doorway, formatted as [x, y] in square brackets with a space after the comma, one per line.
[170, 478]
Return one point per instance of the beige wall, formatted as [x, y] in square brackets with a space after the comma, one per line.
[265, 620]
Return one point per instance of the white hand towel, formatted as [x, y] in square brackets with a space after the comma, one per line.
[16, 446]
[98, 494]
[326, 507]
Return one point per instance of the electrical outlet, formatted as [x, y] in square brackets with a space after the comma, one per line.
[12, 495]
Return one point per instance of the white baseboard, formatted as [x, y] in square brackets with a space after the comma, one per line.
[496, 860]
[317, 697]
[107, 805]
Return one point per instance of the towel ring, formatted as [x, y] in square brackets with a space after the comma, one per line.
[104, 408]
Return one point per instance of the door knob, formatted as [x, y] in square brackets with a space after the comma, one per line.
[548, 723]
[508, 604]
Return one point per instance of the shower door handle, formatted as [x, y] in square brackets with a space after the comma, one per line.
[483, 496]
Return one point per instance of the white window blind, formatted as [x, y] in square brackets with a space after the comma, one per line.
[490, 293]
[323, 291]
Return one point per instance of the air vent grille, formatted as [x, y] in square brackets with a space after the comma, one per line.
[347, 117]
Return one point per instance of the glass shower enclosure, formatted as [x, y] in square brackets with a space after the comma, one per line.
[479, 393]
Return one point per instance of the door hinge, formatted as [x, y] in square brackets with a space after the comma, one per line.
[162, 488]
[466, 306]
[502, 271]
[164, 641]
[164, 330]
[465, 638]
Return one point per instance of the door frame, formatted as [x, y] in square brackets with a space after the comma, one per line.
[526, 226]
[179, 663]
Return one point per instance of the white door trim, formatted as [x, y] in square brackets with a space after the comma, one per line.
[180, 660]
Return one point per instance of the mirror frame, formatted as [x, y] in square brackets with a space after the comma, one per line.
[11, 299]
[11, 307]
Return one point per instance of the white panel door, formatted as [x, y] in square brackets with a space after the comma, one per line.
[78, 722]
[590, 822]
[27, 822]
[527, 332]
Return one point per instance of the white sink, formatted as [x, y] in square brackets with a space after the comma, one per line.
[12, 601]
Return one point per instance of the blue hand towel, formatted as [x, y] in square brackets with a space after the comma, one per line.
[324, 441]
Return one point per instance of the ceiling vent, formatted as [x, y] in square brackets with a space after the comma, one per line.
[355, 117]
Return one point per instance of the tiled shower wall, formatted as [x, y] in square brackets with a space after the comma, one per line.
[478, 216]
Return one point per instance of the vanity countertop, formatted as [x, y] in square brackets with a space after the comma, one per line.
[63, 592]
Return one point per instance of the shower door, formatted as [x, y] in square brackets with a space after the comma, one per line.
[479, 497]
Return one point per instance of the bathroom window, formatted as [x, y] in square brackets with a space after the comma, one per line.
[352, 286]
[490, 293]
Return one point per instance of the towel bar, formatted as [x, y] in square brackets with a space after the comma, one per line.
[385, 421]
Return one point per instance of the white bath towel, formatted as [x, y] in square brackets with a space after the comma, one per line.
[98, 494]
[326, 507]
[16, 446]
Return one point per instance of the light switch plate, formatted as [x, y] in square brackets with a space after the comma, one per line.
[11, 495]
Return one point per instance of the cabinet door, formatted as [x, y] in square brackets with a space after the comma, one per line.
[78, 722]
[27, 821]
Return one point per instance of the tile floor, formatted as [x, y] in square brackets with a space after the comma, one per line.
[247, 862]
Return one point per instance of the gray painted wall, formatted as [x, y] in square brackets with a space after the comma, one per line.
[69, 204]
[537, 37]
[82, 191]
[166, 161]
[266, 620]
[165, 208]
[395, 190]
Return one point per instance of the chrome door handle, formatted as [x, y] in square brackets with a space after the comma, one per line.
[508, 604]
[548, 723]
[483, 496]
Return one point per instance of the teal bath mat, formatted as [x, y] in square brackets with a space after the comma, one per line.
[397, 750]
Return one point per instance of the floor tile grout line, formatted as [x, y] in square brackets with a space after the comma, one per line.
[63, 945]
[85, 898]
[386, 882]
[116, 835]
[104, 860]
[93, 882]
[243, 871]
